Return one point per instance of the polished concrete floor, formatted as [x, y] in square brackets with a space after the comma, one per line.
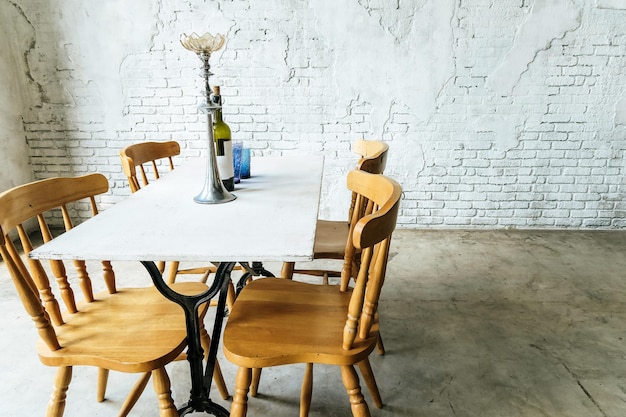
[475, 323]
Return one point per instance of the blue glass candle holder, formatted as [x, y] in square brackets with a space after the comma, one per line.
[237, 153]
[245, 163]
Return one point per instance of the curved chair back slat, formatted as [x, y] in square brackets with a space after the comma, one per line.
[373, 155]
[143, 157]
[371, 234]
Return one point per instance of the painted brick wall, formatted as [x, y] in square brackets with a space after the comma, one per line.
[508, 113]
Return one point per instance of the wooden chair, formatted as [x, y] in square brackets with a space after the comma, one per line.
[279, 321]
[134, 157]
[134, 330]
[331, 236]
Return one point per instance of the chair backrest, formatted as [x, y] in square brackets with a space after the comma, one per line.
[373, 155]
[45, 200]
[135, 157]
[371, 235]
[373, 160]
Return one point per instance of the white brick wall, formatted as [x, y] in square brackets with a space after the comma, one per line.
[498, 113]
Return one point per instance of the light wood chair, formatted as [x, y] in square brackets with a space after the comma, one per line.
[279, 321]
[133, 330]
[331, 236]
[134, 157]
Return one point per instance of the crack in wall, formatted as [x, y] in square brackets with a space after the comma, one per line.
[159, 25]
[547, 47]
[611, 4]
[453, 74]
[43, 97]
[536, 34]
[397, 23]
[620, 111]
[291, 72]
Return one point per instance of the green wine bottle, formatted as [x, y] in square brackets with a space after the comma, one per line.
[223, 144]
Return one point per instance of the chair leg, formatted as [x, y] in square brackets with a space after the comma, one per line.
[256, 379]
[307, 391]
[205, 276]
[370, 381]
[287, 270]
[172, 271]
[218, 377]
[103, 378]
[161, 383]
[134, 394]
[351, 383]
[239, 408]
[230, 296]
[56, 405]
[380, 347]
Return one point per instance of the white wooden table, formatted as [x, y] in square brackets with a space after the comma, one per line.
[272, 219]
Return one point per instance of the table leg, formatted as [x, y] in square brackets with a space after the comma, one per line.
[255, 270]
[200, 379]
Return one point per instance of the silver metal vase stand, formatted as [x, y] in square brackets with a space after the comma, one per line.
[213, 191]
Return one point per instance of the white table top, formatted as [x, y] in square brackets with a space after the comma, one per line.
[272, 219]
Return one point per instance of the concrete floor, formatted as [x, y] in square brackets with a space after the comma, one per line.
[476, 323]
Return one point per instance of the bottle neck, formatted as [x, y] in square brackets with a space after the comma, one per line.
[217, 99]
[217, 115]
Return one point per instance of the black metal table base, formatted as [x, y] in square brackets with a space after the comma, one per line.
[208, 407]
[255, 270]
[200, 378]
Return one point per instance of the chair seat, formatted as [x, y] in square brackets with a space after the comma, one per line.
[112, 331]
[271, 325]
[330, 239]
